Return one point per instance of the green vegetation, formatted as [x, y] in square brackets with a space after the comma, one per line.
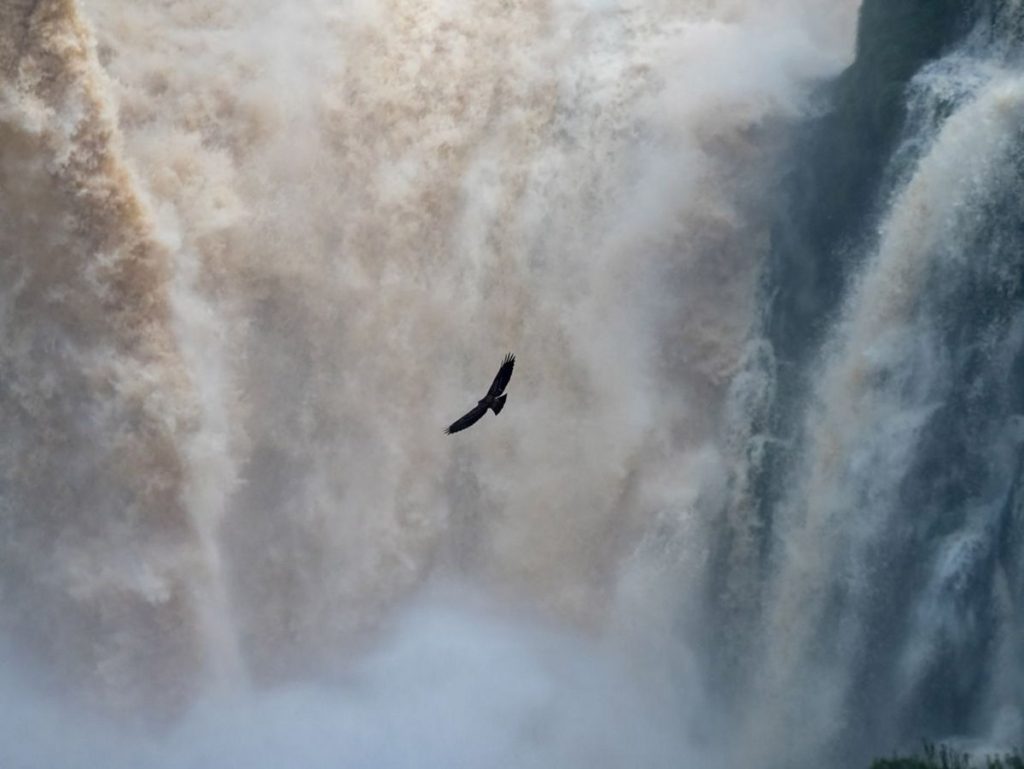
[945, 757]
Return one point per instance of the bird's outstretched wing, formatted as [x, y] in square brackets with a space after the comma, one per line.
[465, 421]
[504, 374]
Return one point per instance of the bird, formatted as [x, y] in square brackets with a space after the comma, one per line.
[494, 400]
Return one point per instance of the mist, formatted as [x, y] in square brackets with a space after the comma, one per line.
[452, 683]
[258, 255]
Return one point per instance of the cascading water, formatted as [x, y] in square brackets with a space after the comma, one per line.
[257, 255]
[889, 499]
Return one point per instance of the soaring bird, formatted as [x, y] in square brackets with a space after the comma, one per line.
[494, 400]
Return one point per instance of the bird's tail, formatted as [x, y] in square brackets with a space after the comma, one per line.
[499, 403]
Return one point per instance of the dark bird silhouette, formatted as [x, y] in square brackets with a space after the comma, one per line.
[494, 400]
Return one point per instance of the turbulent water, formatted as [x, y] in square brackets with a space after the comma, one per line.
[255, 257]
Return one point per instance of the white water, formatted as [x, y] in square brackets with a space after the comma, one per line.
[261, 254]
[883, 376]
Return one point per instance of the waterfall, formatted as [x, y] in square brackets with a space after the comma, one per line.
[754, 498]
[890, 608]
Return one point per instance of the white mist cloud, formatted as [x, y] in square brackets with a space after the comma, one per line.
[454, 684]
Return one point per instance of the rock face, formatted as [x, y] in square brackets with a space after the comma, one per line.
[836, 179]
